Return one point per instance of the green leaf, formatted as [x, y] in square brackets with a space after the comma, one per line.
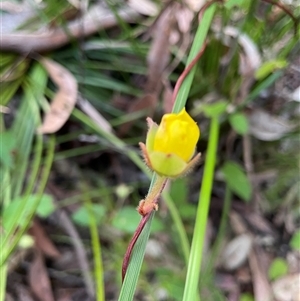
[46, 206]
[238, 3]
[8, 142]
[295, 241]
[17, 204]
[269, 67]
[246, 297]
[278, 268]
[215, 109]
[82, 215]
[237, 180]
[179, 191]
[239, 123]
[127, 220]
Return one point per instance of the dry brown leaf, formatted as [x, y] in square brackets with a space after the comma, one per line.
[167, 97]
[266, 127]
[96, 18]
[64, 100]
[42, 240]
[184, 17]
[22, 293]
[90, 110]
[159, 53]
[237, 251]
[195, 5]
[250, 48]
[39, 280]
[261, 285]
[144, 7]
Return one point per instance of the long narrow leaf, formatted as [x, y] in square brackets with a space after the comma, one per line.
[131, 278]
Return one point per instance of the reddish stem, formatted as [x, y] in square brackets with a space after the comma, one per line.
[136, 235]
[186, 71]
[139, 229]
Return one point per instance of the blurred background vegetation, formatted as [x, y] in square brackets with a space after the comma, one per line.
[78, 79]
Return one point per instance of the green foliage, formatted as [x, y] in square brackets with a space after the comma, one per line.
[216, 109]
[269, 67]
[278, 268]
[127, 219]
[44, 209]
[246, 297]
[237, 180]
[179, 194]
[295, 241]
[8, 143]
[239, 123]
[82, 215]
[172, 282]
[237, 3]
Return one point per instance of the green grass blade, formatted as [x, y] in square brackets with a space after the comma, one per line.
[174, 212]
[96, 247]
[199, 39]
[133, 271]
[3, 278]
[193, 272]
[10, 246]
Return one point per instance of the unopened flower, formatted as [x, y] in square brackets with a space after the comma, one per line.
[171, 145]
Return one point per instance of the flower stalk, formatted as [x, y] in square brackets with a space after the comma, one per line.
[145, 209]
[169, 152]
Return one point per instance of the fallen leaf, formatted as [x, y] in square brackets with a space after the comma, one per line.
[22, 293]
[159, 53]
[237, 251]
[64, 100]
[39, 280]
[96, 18]
[195, 5]
[184, 17]
[261, 285]
[42, 240]
[144, 7]
[167, 97]
[287, 288]
[266, 127]
[90, 110]
[248, 45]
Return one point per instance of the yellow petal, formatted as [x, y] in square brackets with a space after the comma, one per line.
[177, 134]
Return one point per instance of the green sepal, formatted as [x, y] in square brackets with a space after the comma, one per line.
[153, 127]
[167, 165]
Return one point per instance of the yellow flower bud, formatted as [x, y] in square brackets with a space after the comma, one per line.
[171, 145]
